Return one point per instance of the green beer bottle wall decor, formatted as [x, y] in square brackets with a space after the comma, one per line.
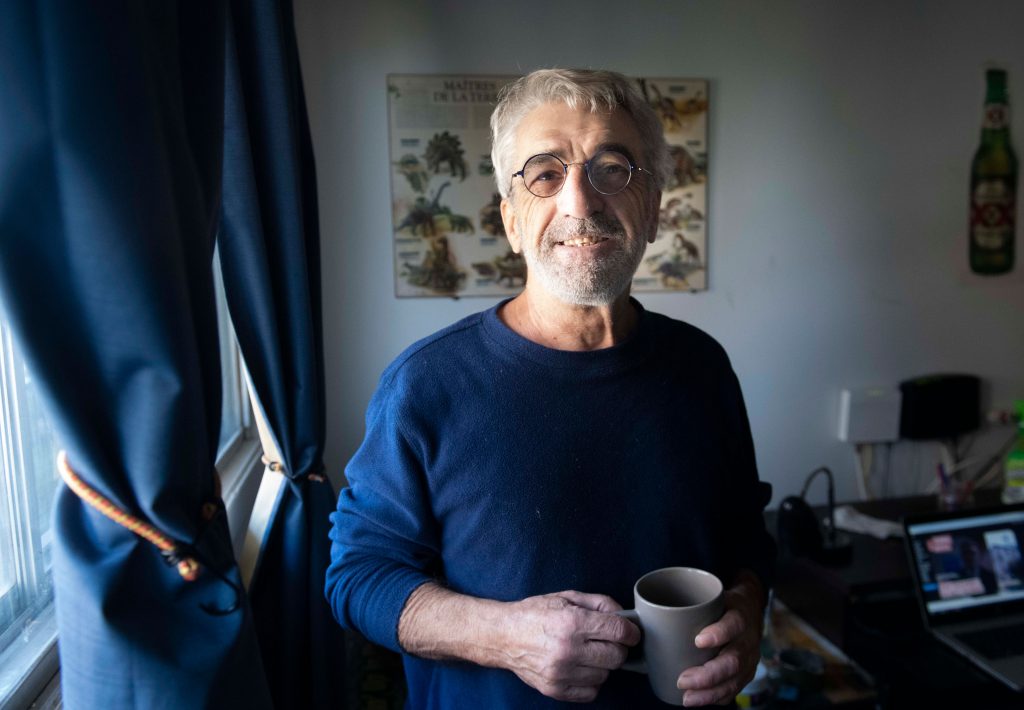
[993, 219]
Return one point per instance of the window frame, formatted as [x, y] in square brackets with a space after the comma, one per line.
[32, 618]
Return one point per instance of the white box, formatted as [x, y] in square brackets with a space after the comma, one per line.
[869, 415]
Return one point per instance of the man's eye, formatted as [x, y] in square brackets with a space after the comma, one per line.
[548, 175]
[611, 169]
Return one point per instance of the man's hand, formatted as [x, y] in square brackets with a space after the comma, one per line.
[738, 632]
[565, 644]
[562, 644]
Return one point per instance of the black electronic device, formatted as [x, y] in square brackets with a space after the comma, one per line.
[939, 406]
[800, 533]
[969, 583]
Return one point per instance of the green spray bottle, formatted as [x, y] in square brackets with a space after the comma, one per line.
[1013, 489]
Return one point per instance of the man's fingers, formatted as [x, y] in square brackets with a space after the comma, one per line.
[598, 621]
[602, 654]
[594, 602]
[580, 694]
[566, 643]
[614, 629]
[586, 675]
[737, 634]
[716, 671]
[717, 681]
[719, 695]
[729, 627]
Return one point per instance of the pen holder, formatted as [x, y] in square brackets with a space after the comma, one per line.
[955, 494]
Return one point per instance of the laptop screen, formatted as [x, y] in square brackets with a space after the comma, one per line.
[968, 561]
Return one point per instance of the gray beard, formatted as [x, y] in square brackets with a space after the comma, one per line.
[591, 283]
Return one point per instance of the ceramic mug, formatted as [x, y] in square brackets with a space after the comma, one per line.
[672, 605]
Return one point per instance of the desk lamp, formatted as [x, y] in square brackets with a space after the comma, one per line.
[800, 532]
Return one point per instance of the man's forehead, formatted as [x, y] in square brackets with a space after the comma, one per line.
[556, 126]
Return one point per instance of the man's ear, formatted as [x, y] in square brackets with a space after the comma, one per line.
[508, 218]
[655, 212]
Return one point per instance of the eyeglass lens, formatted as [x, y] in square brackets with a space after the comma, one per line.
[609, 172]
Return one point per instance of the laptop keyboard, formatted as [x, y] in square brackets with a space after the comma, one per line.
[998, 642]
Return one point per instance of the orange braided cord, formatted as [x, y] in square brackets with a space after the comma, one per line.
[187, 567]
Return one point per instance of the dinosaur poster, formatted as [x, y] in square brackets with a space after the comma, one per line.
[677, 261]
[448, 235]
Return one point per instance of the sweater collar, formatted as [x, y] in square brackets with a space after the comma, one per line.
[619, 355]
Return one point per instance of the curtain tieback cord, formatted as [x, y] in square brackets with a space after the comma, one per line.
[185, 558]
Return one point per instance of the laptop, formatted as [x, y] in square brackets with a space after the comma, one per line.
[968, 569]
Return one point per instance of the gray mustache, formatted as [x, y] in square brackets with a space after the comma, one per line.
[599, 225]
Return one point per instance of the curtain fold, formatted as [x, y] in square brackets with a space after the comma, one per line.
[111, 131]
[270, 257]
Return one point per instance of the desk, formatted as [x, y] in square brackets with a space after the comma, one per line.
[867, 608]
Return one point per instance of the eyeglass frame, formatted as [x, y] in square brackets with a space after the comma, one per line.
[586, 169]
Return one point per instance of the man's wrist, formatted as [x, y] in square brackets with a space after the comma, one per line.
[440, 624]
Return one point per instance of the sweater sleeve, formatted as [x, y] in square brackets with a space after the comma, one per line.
[752, 547]
[384, 536]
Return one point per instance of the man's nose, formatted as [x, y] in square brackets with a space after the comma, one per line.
[578, 198]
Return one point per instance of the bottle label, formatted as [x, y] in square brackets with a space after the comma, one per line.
[992, 214]
[1015, 468]
[997, 116]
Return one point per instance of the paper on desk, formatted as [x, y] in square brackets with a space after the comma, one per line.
[851, 520]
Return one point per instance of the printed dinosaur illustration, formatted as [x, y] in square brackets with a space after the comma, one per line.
[508, 270]
[686, 168]
[677, 214]
[675, 266]
[446, 148]
[675, 114]
[429, 219]
[410, 167]
[665, 107]
[490, 217]
[438, 271]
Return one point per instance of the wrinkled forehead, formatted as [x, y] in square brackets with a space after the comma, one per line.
[575, 133]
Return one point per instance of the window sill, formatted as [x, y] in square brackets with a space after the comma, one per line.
[50, 698]
[30, 664]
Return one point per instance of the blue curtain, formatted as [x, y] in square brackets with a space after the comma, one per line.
[111, 134]
[113, 149]
[270, 256]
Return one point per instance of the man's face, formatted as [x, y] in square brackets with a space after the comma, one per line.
[580, 246]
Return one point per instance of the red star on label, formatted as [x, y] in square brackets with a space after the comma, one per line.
[995, 115]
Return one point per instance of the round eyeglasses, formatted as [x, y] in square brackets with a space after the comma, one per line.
[609, 171]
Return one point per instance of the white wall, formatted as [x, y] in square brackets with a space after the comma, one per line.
[840, 138]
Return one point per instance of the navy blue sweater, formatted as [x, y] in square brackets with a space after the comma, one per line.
[504, 469]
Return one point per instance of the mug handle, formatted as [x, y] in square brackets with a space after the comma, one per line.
[635, 660]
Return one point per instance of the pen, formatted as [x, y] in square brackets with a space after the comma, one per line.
[968, 489]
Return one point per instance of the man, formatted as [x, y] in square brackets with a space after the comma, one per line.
[976, 564]
[523, 467]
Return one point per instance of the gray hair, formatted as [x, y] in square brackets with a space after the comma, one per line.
[596, 90]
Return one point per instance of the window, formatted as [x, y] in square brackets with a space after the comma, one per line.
[235, 419]
[29, 480]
